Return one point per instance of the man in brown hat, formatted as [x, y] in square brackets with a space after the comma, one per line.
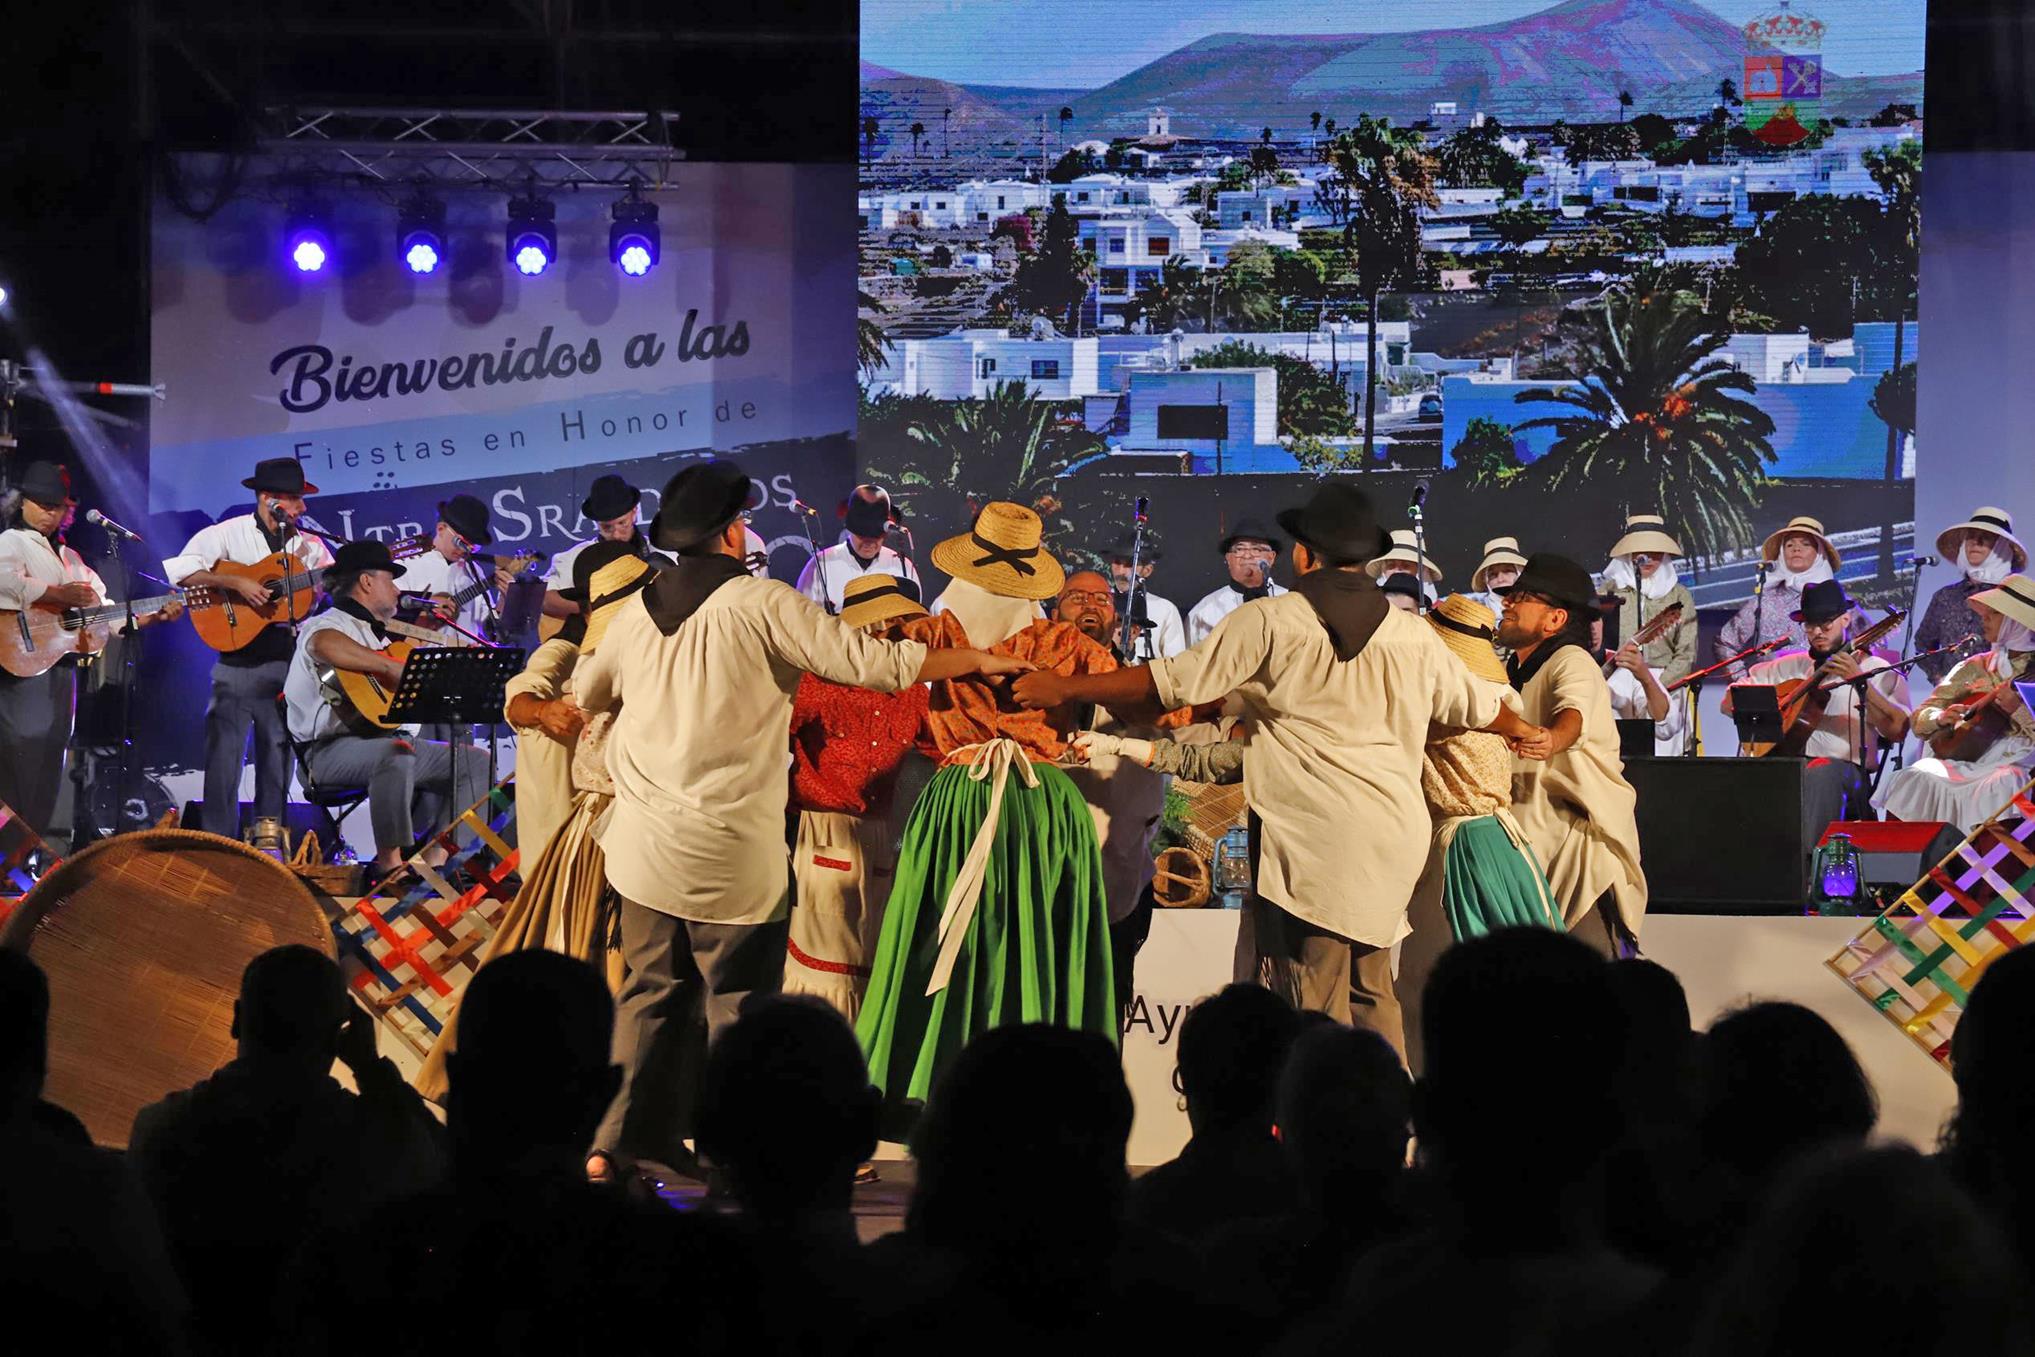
[1340, 690]
[702, 667]
[247, 681]
[1569, 791]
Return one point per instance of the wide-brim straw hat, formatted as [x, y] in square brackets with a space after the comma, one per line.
[1770, 550]
[611, 586]
[1648, 533]
[1985, 519]
[1497, 551]
[1002, 554]
[1468, 629]
[1406, 548]
[2014, 596]
[870, 599]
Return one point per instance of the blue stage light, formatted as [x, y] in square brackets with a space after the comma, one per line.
[633, 241]
[533, 235]
[306, 241]
[420, 234]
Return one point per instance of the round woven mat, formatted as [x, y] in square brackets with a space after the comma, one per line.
[143, 937]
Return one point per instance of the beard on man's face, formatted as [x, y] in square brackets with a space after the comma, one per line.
[1092, 624]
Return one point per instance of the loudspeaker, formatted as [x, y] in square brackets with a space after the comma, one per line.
[1896, 852]
[1721, 836]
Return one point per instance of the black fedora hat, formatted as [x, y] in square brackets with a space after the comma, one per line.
[466, 516]
[47, 484]
[1249, 530]
[866, 517]
[366, 554]
[609, 497]
[1822, 601]
[1555, 578]
[1338, 521]
[1120, 549]
[697, 503]
[280, 476]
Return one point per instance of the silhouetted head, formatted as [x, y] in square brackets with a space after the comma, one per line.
[530, 1077]
[1022, 1145]
[787, 1107]
[1777, 1082]
[1345, 1110]
[291, 1006]
[1661, 1043]
[1232, 1046]
[1524, 1039]
[24, 1032]
[1992, 1054]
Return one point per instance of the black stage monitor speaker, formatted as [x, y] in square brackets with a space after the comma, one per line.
[1208, 422]
[1721, 836]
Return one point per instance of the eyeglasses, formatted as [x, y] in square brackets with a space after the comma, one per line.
[1098, 598]
[1243, 553]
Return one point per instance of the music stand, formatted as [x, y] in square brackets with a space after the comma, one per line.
[454, 685]
[1635, 737]
[1756, 711]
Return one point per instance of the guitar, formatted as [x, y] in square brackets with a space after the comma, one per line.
[1973, 725]
[515, 565]
[1803, 700]
[34, 639]
[361, 701]
[226, 622]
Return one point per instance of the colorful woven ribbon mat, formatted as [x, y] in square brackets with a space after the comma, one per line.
[410, 945]
[1918, 961]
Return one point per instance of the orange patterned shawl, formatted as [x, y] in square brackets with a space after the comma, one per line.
[971, 710]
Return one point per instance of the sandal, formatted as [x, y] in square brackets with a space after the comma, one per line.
[602, 1168]
[867, 1174]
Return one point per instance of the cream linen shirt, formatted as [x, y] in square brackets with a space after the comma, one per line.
[30, 566]
[543, 765]
[700, 743]
[241, 541]
[1335, 754]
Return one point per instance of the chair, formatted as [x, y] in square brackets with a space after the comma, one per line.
[336, 802]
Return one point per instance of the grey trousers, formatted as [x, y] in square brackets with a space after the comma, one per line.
[394, 770]
[679, 970]
[244, 696]
[1832, 789]
[35, 727]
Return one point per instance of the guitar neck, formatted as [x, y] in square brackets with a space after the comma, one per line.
[447, 637]
[105, 612]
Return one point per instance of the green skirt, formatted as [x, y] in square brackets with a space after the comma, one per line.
[1489, 882]
[1036, 950]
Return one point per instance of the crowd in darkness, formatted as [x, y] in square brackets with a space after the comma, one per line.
[1587, 1175]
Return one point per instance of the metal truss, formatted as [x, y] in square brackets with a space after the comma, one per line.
[500, 149]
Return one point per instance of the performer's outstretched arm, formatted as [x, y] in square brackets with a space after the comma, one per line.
[1118, 689]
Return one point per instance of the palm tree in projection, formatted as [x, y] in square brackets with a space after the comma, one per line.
[1314, 124]
[1659, 418]
[1008, 445]
[1066, 117]
[1383, 178]
[872, 345]
[868, 140]
[1624, 105]
[918, 131]
[946, 143]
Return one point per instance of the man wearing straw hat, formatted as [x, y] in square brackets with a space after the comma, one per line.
[1406, 558]
[1340, 690]
[1249, 551]
[848, 746]
[1569, 791]
[1793, 558]
[702, 667]
[1966, 792]
[1984, 549]
[1641, 572]
[1499, 568]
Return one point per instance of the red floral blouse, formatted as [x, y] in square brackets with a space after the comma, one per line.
[846, 744]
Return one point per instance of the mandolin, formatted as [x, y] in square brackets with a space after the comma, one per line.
[35, 638]
[1663, 622]
[361, 701]
[226, 622]
[1972, 725]
[1803, 700]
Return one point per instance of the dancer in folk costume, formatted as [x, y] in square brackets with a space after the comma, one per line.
[854, 777]
[999, 912]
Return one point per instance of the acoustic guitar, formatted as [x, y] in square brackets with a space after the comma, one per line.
[515, 565]
[227, 622]
[1973, 725]
[1804, 700]
[1657, 627]
[35, 638]
[361, 701]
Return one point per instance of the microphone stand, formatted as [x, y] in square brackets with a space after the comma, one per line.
[1414, 512]
[1131, 609]
[805, 521]
[1694, 683]
[1914, 604]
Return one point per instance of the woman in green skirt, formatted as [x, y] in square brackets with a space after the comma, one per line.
[997, 912]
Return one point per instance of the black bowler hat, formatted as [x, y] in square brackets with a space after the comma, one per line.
[866, 517]
[280, 476]
[1249, 530]
[697, 503]
[47, 484]
[367, 554]
[609, 497]
[1399, 582]
[1148, 552]
[1822, 601]
[466, 516]
[1339, 522]
[1557, 579]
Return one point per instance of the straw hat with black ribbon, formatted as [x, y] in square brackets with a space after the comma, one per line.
[873, 598]
[1647, 533]
[1468, 629]
[1497, 551]
[1987, 519]
[1800, 526]
[1002, 554]
[1406, 550]
[608, 577]
[2014, 597]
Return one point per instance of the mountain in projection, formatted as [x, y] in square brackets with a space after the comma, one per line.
[1569, 62]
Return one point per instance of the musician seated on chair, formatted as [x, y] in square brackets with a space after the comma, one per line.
[391, 764]
[1844, 744]
[1638, 690]
[1967, 780]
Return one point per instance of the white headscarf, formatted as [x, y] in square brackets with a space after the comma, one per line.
[2015, 638]
[1993, 568]
[1815, 574]
[1620, 574]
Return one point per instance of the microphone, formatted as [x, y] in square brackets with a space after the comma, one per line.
[1917, 562]
[802, 507]
[1419, 493]
[411, 598]
[1143, 506]
[112, 528]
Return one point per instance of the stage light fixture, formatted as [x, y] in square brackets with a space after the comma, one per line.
[533, 235]
[633, 242]
[420, 235]
[307, 241]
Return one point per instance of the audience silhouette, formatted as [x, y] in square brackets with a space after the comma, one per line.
[1990, 1143]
